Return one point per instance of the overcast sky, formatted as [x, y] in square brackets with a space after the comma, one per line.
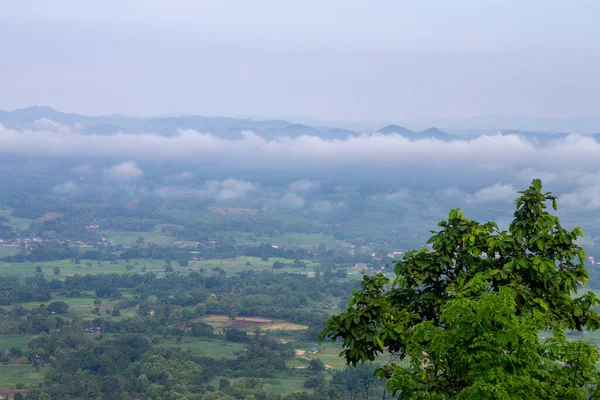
[344, 60]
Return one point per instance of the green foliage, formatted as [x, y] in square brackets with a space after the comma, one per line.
[58, 307]
[467, 312]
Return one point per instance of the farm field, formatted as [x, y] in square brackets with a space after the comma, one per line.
[283, 385]
[19, 341]
[244, 263]
[10, 375]
[16, 222]
[129, 237]
[67, 268]
[220, 322]
[6, 251]
[328, 353]
[290, 240]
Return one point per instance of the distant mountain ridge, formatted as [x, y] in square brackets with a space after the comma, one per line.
[231, 128]
[225, 127]
[402, 131]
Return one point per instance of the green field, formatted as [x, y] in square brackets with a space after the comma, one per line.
[290, 240]
[15, 222]
[19, 341]
[68, 268]
[6, 251]
[283, 385]
[10, 375]
[245, 263]
[128, 237]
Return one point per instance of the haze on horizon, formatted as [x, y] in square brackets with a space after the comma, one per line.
[340, 60]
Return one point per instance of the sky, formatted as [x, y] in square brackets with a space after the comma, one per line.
[338, 60]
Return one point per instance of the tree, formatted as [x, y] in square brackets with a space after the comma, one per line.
[316, 365]
[38, 269]
[466, 314]
[56, 271]
[58, 307]
[183, 262]
[224, 383]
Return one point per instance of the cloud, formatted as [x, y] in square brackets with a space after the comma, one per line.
[304, 185]
[582, 199]
[230, 189]
[172, 192]
[397, 195]
[326, 205]
[427, 162]
[493, 194]
[124, 172]
[184, 175]
[67, 187]
[293, 200]
[49, 125]
[83, 169]
[496, 193]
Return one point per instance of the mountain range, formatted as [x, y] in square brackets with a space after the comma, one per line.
[231, 128]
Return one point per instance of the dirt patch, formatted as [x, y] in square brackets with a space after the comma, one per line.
[265, 324]
[216, 318]
[300, 352]
[49, 216]
[284, 326]
[241, 324]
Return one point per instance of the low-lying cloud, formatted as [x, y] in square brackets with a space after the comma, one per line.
[65, 188]
[493, 194]
[291, 199]
[511, 160]
[304, 185]
[497, 193]
[124, 172]
[225, 190]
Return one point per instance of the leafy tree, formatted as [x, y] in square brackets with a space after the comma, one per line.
[224, 383]
[183, 262]
[466, 314]
[316, 365]
[58, 307]
[56, 271]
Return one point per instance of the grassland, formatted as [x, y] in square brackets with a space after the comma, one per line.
[16, 222]
[290, 240]
[283, 385]
[6, 251]
[19, 341]
[129, 237]
[67, 268]
[244, 263]
[10, 375]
